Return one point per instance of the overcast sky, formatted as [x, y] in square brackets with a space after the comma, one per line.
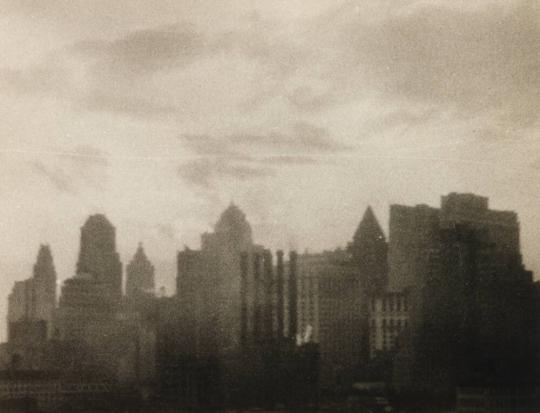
[159, 113]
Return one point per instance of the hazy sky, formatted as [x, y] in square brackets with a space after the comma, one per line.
[159, 113]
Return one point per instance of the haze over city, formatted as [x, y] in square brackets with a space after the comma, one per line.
[159, 114]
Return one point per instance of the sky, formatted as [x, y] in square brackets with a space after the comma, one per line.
[160, 113]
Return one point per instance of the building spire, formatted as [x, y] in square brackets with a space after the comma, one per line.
[140, 274]
[369, 252]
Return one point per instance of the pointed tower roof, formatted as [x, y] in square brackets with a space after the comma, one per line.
[140, 256]
[369, 227]
[140, 252]
[370, 253]
[139, 273]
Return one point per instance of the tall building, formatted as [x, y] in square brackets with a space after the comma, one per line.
[44, 279]
[140, 275]
[237, 316]
[35, 298]
[470, 297]
[411, 236]
[92, 296]
[98, 256]
[311, 267]
[414, 233]
[342, 336]
[209, 283]
[332, 312]
[369, 251]
[21, 301]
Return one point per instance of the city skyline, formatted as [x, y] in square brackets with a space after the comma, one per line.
[167, 276]
[448, 289]
[303, 116]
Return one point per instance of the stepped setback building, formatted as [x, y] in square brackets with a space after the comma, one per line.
[208, 283]
[94, 293]
[34, 299]
[470, 298]
[98, 256]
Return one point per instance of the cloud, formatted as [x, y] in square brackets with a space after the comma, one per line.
[471, 59]
[39, 79]
[290, 160]
[145, 51]
[205, 173]
[126, 105]
[298, 139]
[306, 98]
[487, 57]
[56, 176]
[406, 118]
[245, 156]
[84, 166]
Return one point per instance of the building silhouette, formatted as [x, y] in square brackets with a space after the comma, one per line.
[342, 319]
[82, 305]
[208, 283]
[44, 277]
[98, 256]
[31, 308]
[237, 323]
[115, 340]
[94, 293]
[21, 301]
[369, 251]
[140, 275]
[414, 232]
[35, 298]
[470, 297]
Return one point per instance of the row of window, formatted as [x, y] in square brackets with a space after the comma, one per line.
[391, 304]
[390, 323]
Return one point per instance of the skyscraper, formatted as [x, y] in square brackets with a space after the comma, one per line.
[369, 252]
[45, 286]
[208, 282]
[94, 293]
[140, 275]
[98, 256]
[414, 232]
[470, 295]
[35, 298]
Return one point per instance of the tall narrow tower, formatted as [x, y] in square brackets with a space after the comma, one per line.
[369, 253]
[44, 286]
[140, 275]
[98, 256]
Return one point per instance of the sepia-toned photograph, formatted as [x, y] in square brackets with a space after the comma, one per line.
[270, 206]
